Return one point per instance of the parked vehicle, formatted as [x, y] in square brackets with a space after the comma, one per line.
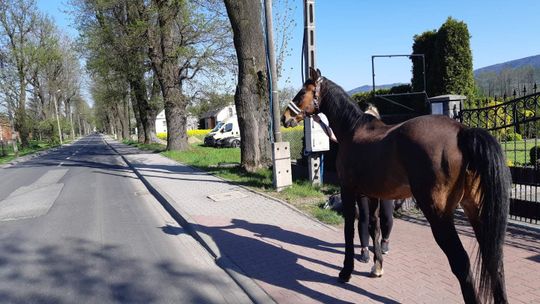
[225, 129]
[229, 142]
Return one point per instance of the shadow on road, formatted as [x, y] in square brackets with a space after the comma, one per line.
[82, 271]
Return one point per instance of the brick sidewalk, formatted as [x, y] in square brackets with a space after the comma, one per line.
[296, 259]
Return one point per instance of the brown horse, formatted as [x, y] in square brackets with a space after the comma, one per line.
[433, 158]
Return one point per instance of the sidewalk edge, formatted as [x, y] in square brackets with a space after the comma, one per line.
[246, 283]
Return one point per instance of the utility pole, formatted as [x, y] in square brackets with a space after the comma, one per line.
[57, 118]
[311, 128]
[273, 70]
[281, 155]
[309, 36]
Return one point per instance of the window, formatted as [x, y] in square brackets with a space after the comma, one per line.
[228, 127]
[230, 112]
[165, 124]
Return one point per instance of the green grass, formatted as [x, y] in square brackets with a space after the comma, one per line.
[326, 215]
[301, 194]
[205, 157]
[8, 155]
[517, 152]
[147, 147]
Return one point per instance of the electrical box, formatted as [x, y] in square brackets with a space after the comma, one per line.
[315, 137]
[281, 156]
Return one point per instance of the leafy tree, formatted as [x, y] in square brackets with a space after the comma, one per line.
[425, 44]
[448, 56]
[455, 58]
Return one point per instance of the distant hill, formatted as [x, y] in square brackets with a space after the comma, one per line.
[515, 73]
[367, 88]
[532, 61]
[503, 78]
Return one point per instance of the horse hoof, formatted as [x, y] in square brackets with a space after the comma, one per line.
[376, 273]
[344, 278]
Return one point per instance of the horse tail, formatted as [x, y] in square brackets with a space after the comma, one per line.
[485, 158]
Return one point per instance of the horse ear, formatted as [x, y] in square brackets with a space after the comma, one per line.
[314, 74]
[319, 74]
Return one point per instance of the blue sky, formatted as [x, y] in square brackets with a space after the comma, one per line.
[350, 31]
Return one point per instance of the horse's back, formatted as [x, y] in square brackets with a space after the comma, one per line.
[428, 148]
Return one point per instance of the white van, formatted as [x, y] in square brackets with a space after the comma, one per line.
[224, 129]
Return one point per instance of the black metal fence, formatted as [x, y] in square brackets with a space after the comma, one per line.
[516, 124]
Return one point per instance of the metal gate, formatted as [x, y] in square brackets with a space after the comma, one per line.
[516, 125]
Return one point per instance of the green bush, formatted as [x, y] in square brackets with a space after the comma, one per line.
[512, 136]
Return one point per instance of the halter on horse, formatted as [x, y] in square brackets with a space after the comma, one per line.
[437, 160]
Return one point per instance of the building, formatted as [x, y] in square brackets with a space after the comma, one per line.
[161, 123]
[211, 118]
[5, 129]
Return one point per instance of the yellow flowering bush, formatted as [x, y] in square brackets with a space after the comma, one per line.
[163, 135]
[293, 129]
[198, 132]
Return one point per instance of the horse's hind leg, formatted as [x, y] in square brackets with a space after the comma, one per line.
[375, 232]
[349, 210]
[446, 236]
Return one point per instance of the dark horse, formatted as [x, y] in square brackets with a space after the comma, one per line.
[433, 158]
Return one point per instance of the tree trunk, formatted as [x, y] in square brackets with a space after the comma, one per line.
[20, 114]
[175, 114]
[164, 56]
[69, 115]
[154, 107]
[139, 90]
[125, 117]
[251, 99]
[80, 127]
[137, 114]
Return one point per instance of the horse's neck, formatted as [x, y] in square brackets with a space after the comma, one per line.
[341, 129]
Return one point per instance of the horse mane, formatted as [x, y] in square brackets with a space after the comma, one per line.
[345, 112]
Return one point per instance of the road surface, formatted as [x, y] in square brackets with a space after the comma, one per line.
[77, 226]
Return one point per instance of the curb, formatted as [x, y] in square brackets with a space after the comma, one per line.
[248, 285]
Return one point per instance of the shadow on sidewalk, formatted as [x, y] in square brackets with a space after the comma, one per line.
[516, 236]
[264, 259]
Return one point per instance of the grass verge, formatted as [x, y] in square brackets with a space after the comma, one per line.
[7, 154]
[225, 164]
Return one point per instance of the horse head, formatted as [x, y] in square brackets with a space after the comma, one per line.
[306, 102]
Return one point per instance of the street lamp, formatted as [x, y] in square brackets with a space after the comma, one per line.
[57, 119]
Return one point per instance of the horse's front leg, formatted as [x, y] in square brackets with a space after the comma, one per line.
[348, 201]
[375, 232]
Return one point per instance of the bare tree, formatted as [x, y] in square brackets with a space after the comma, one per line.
[17, 21]
[185, 40]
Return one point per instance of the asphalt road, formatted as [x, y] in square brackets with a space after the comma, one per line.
[77, 226]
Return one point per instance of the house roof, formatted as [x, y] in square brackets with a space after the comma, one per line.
[211, 113]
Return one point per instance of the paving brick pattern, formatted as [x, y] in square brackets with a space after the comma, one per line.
[296, 259]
